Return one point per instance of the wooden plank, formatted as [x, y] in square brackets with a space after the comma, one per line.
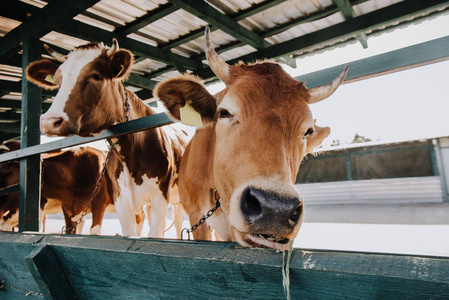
[118, 268]
[46, 271]
[14, 273]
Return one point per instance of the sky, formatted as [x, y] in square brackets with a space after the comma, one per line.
[406, 105]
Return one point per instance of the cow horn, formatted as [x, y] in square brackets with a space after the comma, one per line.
[113, 48]
[322, 92]
[218, 65]
[56, 55]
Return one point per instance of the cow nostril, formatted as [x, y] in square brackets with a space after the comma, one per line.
[296, 214]
[250, 205]
[58, 122]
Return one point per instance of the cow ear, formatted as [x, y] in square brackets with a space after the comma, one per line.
[41, 73]
[175, 93]
[317, 138]
[121, 63]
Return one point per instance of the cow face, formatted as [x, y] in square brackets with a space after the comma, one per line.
[263, 128]
[90, 96]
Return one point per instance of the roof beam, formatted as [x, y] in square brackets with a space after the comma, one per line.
[39, 24]
[206, 12]
[91, 33]
[346, 8]
[349, 28]
[150, 17]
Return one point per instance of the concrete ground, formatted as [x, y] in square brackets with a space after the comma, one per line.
[345, 227]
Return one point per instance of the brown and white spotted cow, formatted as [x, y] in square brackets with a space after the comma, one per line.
[68, 180]
[91, 98]
[256, 132]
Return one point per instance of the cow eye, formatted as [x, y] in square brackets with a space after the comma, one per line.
[224, 114]
[97, 77]
[309, 132]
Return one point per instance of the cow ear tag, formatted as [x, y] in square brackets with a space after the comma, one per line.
[50, 79]
[190, 116]
[121, 70]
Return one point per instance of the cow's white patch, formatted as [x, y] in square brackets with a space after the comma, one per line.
[132, 199]
[70, 71]
[95, 230]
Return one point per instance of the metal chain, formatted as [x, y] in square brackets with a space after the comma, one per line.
[28, 292]
[209, 214]
[70, 230]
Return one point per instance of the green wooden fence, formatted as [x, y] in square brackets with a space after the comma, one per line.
[88, 267]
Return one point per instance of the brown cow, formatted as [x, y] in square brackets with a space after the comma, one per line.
[91, 98]
[257, 131]
[68, 180]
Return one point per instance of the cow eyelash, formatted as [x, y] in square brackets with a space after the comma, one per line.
[309, 132]
[97, 77]
[223, 113]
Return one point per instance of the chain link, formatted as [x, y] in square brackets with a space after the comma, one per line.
[71, 230]
[209, 214]
[28, 292]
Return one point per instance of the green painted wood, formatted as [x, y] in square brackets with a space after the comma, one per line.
[14, 273]
[119, 268]
[397, 60]
[30, 167]
[46, 271]
[41, 23]
[144, 123]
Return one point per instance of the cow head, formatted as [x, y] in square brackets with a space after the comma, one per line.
[263, 128]
[90, 96]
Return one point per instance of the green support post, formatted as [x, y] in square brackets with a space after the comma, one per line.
[30, 167]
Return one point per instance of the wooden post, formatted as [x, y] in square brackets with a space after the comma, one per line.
[30, 167]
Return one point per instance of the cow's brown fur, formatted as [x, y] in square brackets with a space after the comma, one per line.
[261, 144]
[68, 177]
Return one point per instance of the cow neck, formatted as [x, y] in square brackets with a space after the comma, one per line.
[134, 148]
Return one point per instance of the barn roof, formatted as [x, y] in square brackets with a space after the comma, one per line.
[166, 37]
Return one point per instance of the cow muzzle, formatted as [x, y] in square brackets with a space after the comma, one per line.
[272, 219]
[52, 125]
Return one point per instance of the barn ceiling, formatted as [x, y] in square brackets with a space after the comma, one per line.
[166, 37]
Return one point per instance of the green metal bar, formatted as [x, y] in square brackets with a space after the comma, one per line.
[9, 189]
[144, 123]
[30, 167]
